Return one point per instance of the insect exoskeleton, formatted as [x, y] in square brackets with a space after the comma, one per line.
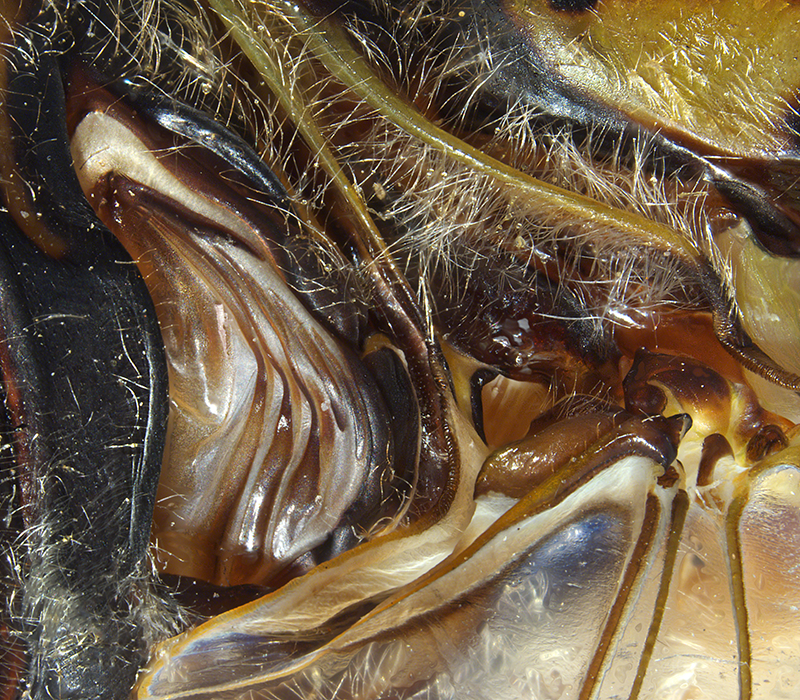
[479, 325]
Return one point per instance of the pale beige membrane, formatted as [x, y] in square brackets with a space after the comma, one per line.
[769, 532]
[767, 290]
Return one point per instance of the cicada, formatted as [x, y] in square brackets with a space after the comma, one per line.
[377, 349]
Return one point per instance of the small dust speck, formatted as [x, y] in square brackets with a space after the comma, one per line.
[379, 191]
